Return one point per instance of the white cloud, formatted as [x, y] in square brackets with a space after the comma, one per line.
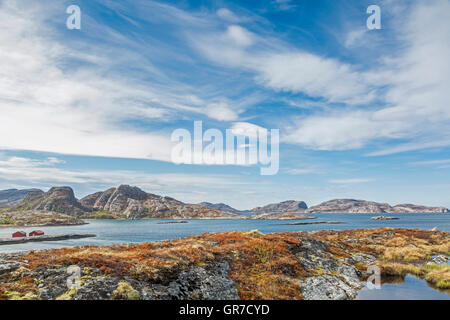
[356, 37]
[315, 76]
[227, 15]
[240, 36]
[340, 131]
[221, 111]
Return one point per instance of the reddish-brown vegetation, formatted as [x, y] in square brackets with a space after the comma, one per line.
[263, 266]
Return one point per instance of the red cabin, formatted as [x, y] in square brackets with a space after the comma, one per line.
[36, 233]
[19, 234]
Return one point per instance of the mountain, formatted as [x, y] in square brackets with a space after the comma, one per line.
[133, 203]
[282, 207]
[57, 199]
[363, 206]
[11, 197]
[220, 206]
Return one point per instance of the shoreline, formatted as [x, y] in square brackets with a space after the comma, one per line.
[56, 237]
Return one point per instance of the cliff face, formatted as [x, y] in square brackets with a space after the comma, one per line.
[282, 207]
[57, 199]
[362, 206]
[11, 197]
[133, 203]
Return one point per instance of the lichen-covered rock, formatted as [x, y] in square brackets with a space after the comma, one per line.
[202, 283]
[328, 287]
[7, 266]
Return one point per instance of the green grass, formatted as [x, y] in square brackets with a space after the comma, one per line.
[8, 221]
[98, 215]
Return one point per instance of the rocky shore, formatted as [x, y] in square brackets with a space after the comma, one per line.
[55, 237]
[32, 218]
[233, 265]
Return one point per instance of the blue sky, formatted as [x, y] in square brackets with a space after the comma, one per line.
[362, 113]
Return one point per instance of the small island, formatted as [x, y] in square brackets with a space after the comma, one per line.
[384, 218]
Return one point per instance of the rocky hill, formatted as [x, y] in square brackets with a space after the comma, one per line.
[57, 199]
[11, 197]
[133, 203]
[281, 207]
[220, 206]
[362, 206]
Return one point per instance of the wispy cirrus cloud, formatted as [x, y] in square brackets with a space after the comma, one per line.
[58, 94]
[403, 96]
[441, 163]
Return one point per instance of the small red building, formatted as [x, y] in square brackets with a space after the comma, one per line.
[19, 234]
[36, 233]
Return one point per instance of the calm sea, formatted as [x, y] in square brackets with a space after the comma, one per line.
[126, 231]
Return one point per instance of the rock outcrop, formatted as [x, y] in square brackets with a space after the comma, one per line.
[57, 199]
[133, 203]
[281, 207]
[11, 197]
[363, 206]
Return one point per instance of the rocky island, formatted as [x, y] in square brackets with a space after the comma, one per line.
[384, 218]
[363, 206]
[289, 206]
[232, 265]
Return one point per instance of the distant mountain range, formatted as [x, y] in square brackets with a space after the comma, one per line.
[127, 202]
